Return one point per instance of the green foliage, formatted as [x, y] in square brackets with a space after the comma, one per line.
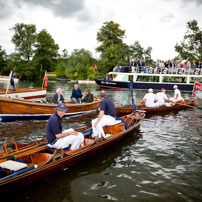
[24, 39]
[3, 62]
[113, 50]
[139, 53]
[46, 53]
[79, 62]
[190, 47]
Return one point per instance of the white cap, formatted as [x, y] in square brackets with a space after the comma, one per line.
[150, 90]
[175, 86]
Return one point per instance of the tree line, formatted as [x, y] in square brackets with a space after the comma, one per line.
[37, 52]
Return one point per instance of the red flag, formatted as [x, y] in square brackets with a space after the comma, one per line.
[46, 81]
[197, 91]
[95, 66]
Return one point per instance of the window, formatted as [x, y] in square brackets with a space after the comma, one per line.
[174, 79]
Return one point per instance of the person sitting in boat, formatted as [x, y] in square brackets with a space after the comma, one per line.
[58, 98]
[177, 95]
[107, 114]
[54, 133]
[150, 99]
[76, 94]
[88, 97]
[161, 98]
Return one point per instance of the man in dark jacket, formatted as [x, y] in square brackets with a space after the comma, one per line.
[88, 97]
[76, 94]
[58, 98]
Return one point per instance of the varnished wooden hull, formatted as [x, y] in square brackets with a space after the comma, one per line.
[67, 160]
[121, 111]
[16, 106]
[26, 93]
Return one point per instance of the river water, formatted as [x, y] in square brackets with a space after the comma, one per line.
[159, 161]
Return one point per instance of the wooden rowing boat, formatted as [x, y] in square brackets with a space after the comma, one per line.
[123, 110]
[26, 93]
[39, 162]
[16, 108]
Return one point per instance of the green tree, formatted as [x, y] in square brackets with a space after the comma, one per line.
[110, 37]
[191, 46]
[62, 63]
[3, 62]
[147, 56]
[79, 63]
[46, 53]
[24, 39]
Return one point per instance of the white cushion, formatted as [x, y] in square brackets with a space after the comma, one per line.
[114, 123]
[13, 165]
[57, 147]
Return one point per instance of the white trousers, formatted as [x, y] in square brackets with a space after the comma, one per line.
[74, 140]
[98, 130]
[175, 100]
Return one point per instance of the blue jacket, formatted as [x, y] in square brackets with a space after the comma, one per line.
[76, 93]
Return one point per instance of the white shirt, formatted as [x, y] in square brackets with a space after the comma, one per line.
[179, 94]
[161, 97]
[149, 99]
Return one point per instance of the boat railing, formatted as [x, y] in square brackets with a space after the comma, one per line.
[159, 70]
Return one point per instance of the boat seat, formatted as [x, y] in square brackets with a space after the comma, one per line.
[12, 166]
[58, 147]
[114, 123]
[114, 127]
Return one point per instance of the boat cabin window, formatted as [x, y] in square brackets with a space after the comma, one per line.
[130, 78]
[125, 78]
[197, 79]
[174, 79]
[148, 78]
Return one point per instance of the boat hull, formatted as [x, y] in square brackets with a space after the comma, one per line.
[123, 85]
[67, 160]
[26, 93]
[121, 111]
[11, 108]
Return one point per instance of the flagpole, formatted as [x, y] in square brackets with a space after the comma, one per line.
[43, 79]
[8, 83]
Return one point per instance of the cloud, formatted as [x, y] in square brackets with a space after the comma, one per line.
[167, 18]
[60, 8]
[6, 9]
[198, 2]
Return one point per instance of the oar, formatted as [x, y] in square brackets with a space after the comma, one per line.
[182, 104]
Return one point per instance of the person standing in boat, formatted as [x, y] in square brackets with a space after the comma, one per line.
[161, 98]
[150, 99]
[177, 95]
[88, 97]
[54, 133]
[76, 94]
[58, 98]
[107, 115]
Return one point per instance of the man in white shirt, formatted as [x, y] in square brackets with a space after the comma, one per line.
[177, 95]
[161, 98]
[149, 99]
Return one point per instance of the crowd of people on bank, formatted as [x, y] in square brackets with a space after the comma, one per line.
[76, 96]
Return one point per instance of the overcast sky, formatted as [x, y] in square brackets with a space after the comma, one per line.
[75, 23]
